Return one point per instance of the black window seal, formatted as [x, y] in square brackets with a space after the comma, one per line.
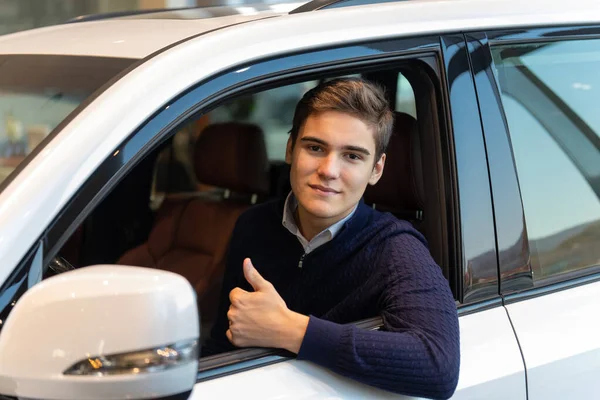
[237, 361]
[472, 308]
[543, 34]
[592, 276]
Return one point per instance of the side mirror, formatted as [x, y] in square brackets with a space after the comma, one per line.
[102, 332]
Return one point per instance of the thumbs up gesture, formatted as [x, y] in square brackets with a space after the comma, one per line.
[261, 318]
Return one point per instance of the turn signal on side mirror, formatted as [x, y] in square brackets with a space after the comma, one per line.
[138, 362]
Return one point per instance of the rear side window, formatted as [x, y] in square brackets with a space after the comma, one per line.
[550, 94]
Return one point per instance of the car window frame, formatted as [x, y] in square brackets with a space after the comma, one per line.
[236, 81]
[471, 172]
[517, 288]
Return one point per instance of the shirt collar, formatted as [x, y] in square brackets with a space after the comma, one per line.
[289, 222]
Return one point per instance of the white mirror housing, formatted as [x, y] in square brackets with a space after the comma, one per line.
[102, 332]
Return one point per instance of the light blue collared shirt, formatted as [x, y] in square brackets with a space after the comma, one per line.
[289, 221]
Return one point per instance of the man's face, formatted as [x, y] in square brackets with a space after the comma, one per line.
[332, 162]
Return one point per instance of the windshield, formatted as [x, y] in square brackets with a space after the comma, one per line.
[37, 92]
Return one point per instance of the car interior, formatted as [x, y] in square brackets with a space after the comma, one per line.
[177, 208]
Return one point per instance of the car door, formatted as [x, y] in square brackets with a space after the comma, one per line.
[541, 89]
[492, 366]
[491, 362]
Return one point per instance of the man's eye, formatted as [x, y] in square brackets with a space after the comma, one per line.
[354, 157]
[314, 148]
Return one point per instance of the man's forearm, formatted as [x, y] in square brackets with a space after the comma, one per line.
[408, 362]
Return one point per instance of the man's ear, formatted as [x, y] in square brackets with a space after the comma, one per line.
[288, 150]
[377, 170]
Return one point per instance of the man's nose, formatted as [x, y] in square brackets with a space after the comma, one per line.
[329, 168]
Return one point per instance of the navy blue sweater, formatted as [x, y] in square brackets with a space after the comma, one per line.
[376, 265]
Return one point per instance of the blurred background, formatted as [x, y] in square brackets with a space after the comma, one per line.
[19, 15]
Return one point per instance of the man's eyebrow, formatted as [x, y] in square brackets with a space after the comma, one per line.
[356, 149]
[314, 139]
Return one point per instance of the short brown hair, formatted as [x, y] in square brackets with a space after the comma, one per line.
[358, 97]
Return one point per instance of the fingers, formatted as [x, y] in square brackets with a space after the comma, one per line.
[235, 340]
[254, 278]
[229, 336]
[236, 296]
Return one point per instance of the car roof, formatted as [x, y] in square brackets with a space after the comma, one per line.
[135, 36]
[141, 35]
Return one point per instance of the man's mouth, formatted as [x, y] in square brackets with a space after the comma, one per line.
[323, 190]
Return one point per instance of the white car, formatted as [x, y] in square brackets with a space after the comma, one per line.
[130, 145]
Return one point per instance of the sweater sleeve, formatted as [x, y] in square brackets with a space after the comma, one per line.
[418, 352]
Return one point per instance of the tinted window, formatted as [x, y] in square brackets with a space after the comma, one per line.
[550, 94]
[37, 92]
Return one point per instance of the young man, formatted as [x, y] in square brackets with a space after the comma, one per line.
[301, 269]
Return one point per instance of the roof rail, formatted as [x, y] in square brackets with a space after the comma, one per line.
[315, 5]
[116, 14]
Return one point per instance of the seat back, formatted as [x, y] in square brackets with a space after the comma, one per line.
[400, 189]
[191, 233]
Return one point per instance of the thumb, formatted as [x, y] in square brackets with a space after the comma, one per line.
[253, 277]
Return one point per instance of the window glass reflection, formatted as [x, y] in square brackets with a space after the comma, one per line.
[549, 93]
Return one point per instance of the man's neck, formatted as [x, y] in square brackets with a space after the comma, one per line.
[311, 226]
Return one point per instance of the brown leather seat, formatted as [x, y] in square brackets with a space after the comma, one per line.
[191, 234]
[406, 178]
[400, 189]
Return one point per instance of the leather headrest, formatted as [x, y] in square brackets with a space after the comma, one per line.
[400, 188]
[233, 156]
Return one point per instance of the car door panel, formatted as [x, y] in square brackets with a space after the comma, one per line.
[491, 363]
[559, 333]
[491, 368]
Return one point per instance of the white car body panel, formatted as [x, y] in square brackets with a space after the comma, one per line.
[491, 368]
[112, 38]
[39, 192]
[559, 336]
[491, 364]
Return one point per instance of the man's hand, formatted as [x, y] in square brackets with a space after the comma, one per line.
[261, 318]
